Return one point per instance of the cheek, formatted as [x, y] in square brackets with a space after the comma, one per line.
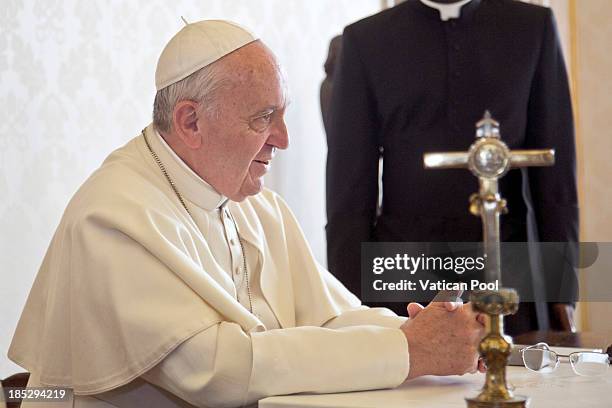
[249, 148]
[238, 153]
[239, 148]
[254, 171]
[241, 172]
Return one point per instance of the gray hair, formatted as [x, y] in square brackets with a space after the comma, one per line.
[201, 86]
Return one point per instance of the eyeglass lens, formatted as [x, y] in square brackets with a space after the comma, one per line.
[542, 361]
[589, 364]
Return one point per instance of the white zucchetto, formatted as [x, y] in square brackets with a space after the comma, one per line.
[196, 46]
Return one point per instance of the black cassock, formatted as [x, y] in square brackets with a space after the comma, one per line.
[408, 83]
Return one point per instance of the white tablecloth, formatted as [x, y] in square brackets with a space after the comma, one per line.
[560, 389]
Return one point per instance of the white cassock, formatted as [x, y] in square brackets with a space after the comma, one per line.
[138, 304]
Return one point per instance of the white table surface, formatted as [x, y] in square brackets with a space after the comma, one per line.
[560, 389]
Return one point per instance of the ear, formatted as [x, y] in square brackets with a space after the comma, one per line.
[185, 117]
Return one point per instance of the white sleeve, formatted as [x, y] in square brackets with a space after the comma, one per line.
[225, 367]
[363, 315]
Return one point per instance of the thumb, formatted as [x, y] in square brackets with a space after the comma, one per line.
[414, 309]
[447, 305]
[450, 306]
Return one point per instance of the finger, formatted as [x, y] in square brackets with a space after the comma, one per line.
[482, 366]
[414, 309]
[448, 306]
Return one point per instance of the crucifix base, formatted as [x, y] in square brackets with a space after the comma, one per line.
[495, 348]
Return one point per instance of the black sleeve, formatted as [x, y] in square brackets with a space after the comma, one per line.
[352, 165]
[553, 189]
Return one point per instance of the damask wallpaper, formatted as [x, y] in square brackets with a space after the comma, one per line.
[77, 81]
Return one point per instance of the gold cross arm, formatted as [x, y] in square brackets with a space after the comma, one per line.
[516, 159]
[489, 156]
[489, 159]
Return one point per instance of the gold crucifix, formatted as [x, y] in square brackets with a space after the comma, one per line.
[489, 159]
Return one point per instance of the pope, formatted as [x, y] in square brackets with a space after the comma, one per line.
[176, 279]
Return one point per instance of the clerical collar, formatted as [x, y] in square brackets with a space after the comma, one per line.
[191, 186]
[467, 10]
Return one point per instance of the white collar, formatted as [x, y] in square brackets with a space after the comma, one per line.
[447, 10]
[191, 186]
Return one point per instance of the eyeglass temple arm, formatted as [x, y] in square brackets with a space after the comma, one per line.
[608, 352]
[580, 352]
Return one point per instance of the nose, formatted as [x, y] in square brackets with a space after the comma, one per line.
[279, 137]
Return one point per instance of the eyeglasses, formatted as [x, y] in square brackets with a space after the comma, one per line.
[540, 358]
[262, 121]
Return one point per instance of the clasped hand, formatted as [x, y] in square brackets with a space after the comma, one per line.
[443, 339]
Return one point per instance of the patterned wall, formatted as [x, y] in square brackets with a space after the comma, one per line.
[76, 81]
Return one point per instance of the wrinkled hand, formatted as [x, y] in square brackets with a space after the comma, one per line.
[443, 339]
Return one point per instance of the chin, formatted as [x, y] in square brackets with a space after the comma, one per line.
[253, 187]
[250, 188]
[238, 197]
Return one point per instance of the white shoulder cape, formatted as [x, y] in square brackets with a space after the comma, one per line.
[128, 277]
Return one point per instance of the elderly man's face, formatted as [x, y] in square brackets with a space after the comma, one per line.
[240, 140]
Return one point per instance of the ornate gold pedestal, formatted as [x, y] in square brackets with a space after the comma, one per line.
[495, 348]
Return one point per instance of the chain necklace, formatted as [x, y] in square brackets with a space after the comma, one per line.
[180, 197]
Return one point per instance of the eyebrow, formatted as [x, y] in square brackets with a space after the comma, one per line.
[265, 111]
[272, 108]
